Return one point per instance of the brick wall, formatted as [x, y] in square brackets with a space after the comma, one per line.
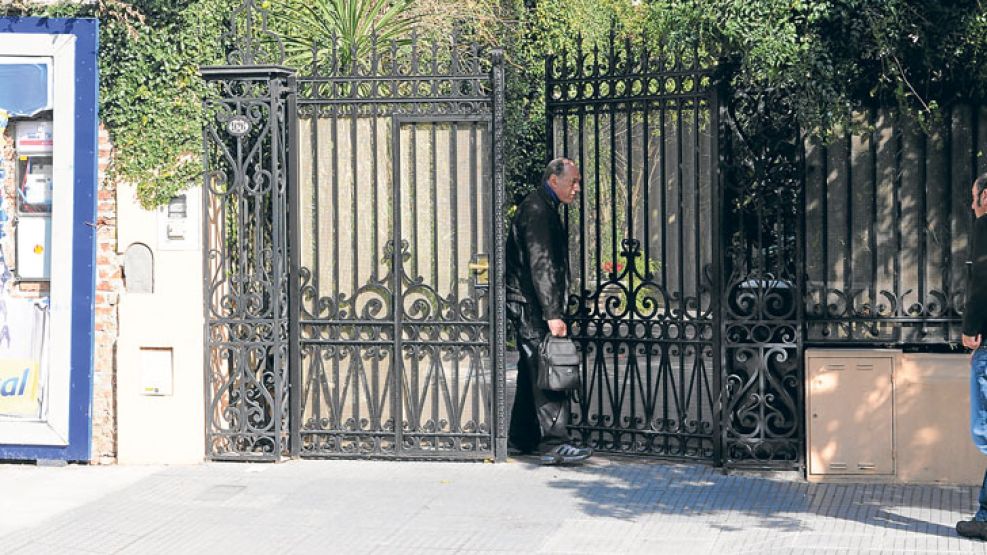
[109, 284]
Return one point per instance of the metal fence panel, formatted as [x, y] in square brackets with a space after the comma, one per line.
[644, 301]
[396, 210]
[889, 221]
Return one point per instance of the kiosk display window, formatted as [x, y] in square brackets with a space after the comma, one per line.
[48, 173]
[34, 193]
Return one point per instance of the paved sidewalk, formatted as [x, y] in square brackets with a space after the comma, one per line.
[610, 506]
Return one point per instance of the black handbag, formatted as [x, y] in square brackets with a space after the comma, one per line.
[558, 364]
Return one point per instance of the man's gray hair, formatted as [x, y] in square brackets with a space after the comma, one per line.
[981, 183]
[555, 167]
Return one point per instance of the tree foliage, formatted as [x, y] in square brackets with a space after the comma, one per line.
[348, 28]
[838, 54]
[828, 56]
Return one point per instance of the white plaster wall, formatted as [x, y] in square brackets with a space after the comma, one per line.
[160, 429]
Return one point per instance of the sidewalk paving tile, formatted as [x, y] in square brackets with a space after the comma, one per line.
[610, 506]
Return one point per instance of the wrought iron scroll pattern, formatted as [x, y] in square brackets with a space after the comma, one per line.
[886, 220]
[246, 269]
[762, 342]
[358, 329]
[395, 361]
[643, 310]
[408, 77]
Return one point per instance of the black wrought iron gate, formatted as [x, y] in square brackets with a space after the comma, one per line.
[396, 225]
[353, 250]
[684, 294]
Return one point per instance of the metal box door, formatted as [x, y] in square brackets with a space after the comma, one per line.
[850, 415]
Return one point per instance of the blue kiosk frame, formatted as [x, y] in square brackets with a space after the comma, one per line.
[86, 32]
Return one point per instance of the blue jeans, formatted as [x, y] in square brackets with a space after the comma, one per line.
[978, 416]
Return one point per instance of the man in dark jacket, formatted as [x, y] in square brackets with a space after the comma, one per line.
[974, 328]
[537, 272]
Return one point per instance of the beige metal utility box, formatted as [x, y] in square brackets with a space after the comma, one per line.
[887, 416]
[850, 409]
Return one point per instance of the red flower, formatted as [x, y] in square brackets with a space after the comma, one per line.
[609, 265]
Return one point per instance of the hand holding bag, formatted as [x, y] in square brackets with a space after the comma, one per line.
[558, 364]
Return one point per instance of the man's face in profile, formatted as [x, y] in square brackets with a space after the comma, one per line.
[566, 186]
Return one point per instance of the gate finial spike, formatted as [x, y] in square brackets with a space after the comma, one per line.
[394, 57]
[628, 56]
[250, 45]
[435, 58]
[414, 51]
[374, 51]
[354, 59]
[596, 59]
[662, 47]
[334, 56]
[454, 47]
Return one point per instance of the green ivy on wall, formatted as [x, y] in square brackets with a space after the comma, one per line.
[828, 55]
[150, 90]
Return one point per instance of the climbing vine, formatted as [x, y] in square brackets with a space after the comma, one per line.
[150, 91]
[830, 55]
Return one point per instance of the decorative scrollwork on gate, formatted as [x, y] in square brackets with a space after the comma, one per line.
[246, 287]
[348, 357]
[762, 340]
[249, 40]
[639, 124]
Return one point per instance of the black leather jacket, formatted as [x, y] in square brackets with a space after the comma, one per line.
[537, 255]
[975, 313]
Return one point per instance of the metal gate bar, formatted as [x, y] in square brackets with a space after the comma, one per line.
[410, 373]
[645, 304]
[332, 331]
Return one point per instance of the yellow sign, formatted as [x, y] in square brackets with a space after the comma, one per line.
[19, 386]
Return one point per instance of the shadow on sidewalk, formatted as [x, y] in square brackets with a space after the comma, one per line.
[625, 488]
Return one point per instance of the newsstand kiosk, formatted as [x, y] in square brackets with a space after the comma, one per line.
[48, 178]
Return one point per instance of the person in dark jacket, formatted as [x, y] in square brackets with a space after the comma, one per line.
[537, 275]
[974, 328]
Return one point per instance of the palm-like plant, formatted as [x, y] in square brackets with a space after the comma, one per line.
[310, 27]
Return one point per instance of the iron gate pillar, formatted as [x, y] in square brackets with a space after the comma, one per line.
[246, 182]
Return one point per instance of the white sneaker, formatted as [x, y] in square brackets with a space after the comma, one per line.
[566, 454]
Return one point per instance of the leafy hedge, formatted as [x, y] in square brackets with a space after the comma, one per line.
[150, 91]
[827, 55]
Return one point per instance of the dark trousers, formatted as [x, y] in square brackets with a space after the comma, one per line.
[539, 417]
[981, 515]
